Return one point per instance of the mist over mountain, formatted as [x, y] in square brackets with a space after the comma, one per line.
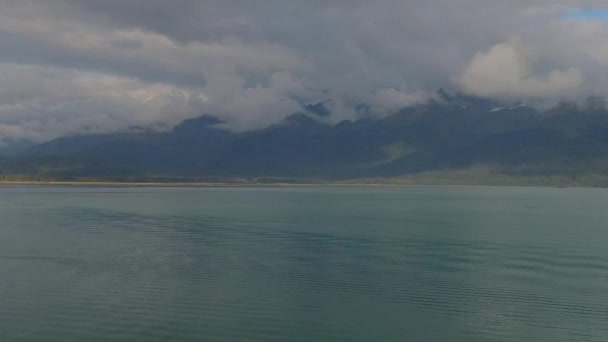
[449, 132]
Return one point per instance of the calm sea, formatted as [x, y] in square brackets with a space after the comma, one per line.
[303, 264]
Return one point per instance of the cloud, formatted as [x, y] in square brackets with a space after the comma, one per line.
[45, 102]
[71, 66]
[392, 99]
[506, 71]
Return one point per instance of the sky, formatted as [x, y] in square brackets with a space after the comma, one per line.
[590, 13]
[88, 66]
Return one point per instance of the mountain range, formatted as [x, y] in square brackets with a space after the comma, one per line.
[448, 133]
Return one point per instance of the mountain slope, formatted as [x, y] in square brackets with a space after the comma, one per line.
[451, 132]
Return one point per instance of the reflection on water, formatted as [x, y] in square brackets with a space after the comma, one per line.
[303, 264]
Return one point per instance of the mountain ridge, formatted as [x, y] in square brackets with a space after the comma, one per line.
[448, 133]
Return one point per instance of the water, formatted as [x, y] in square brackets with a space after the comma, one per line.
[303, 264]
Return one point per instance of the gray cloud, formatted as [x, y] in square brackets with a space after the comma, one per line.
[102, 65]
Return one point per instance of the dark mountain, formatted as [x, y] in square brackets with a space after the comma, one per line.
[318, 109]
[9, 148]
[448, 133]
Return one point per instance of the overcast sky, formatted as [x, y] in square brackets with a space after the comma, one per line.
[70, 66]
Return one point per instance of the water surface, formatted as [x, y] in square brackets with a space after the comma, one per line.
[303, 264]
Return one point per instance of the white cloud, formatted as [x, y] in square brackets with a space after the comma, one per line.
[390, 100]
[41, 103]
[506, 70]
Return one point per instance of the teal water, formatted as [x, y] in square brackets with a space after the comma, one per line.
[303, 264]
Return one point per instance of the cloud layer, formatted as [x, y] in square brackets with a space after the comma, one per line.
[70, 66]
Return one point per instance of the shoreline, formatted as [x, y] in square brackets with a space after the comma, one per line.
[280, 184]
[467, 177]
[192, 184]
